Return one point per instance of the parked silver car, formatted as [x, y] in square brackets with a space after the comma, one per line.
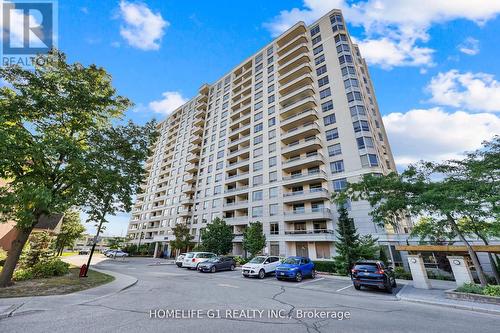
[180, 259]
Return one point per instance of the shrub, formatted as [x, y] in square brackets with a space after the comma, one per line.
[470, 288]
[492, 290]
[327, 266]
[3, 256]
[240, 260]
[401, 273]
[22, 274]
[439, 276]
[52, 267]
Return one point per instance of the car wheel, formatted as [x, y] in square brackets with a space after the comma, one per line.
[232, 267]
[313, 274]
[212, 270]
[262, 274]
[298, 277]
[357, 287]
[394, 284]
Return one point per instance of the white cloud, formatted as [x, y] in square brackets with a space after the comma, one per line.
[170, 102]
[472, 91]
[435, 135]
[469, 46]
[400, 26]
[15, 29]
[142, 28]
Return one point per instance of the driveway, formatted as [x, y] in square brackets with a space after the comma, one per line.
[171, 299]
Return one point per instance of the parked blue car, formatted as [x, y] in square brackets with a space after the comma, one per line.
[295, 268]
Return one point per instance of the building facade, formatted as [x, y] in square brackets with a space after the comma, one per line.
[270, 142]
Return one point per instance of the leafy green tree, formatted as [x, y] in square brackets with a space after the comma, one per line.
[46, 124]
[217, 237]
[52, 121]
[71, 230]
[183, 238]
[254, 239]
[436, 231]
[347, 245]
[39, 249]
[116, 243]
[449, 191]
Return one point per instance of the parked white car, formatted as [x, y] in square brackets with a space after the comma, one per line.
[261, 266]
[180, 259]
[192, 259]
[116, 254]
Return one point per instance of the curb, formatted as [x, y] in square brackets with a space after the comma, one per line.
[455, 306]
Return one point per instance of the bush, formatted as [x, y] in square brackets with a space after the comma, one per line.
[327, 266]
[52, 267]
[439, 276]
[401, 273]
[470, 288]
[492, 290]
[22, 274]
[3, 256]
[240, 260]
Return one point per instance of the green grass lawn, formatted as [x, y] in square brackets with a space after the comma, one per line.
[58, 285]
[68, 254]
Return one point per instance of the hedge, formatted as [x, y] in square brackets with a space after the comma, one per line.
[327, 266]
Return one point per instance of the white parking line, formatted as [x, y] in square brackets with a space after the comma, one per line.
[227, 285]
[349, 286]
[311, 281]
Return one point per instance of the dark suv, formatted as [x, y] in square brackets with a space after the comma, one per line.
[372, 273]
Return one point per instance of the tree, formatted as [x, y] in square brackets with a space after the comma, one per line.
[116, 243]
[71, 230]
[433, 230]
[183, 238]
[217, 237]
[347, 241]
[38, 249]
[47, 118]
[448, 191]
[254, 239]
[368, 248]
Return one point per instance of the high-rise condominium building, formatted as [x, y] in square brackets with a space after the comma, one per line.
[271, 141]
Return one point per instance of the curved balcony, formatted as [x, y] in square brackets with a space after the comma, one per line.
[300, 132]
[306, 195]
[304, 178]
[298, 119]
[313, 235]
[312, 160]
[300, 105]
[315, 214]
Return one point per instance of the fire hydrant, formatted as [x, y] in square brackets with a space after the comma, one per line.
[82, 270]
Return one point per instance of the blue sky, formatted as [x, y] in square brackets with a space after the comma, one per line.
[434, 63]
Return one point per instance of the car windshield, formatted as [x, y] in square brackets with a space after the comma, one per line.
[189, 255]
[293, 261]
[257, 260]
[370, 267]
[214, 259]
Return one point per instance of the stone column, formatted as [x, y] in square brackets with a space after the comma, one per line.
[418, 272]
[156, 250]
[460, 269]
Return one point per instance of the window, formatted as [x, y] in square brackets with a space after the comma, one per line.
[257, 128]
[364, 142]
[332, 134]
[329, 120]
[361, 125]
[345, 58]
[325, 93]
[354, 95]
[271, 122]
[258, 85]
[314, 30]
[272, 147]
[273, 176]
[217, 189]
[357, 110]
[319, 59]
[257, 166]
[271, 99]
[348, 70]
[272, 161]
[327, 106]
[343, 47]
[318, 49]
[339, 184]
[337, 166]
[272, 134]
[334, 150]
[369, 160]
[257, 140]
[257, 195]
[340, 37]
[322, 81]
[257, 106]
[316, 40]
[321, 70]
[273, 209]
[351, 83]
[257, 211]
[273, 192]
[258, 116]
[274, 229]
[258, 152]
[257, 180]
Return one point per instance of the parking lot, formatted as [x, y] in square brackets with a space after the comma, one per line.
[168, 298]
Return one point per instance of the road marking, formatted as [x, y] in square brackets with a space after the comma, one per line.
[349, 286]
[311, 281]
[227, 285]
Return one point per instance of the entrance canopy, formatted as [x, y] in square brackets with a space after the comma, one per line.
[448, 248]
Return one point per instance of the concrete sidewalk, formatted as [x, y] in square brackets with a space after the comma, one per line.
[437, 296]
[21, 305]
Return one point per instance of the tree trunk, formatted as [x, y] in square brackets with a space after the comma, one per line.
[13, 256]
[472, 253]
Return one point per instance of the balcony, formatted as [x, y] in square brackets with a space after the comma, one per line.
[197, 130]
[199, 121]
[195, 148]
[238, 177]
[193, 158]
[237, 189]
[240, 129]
[187, 201]
[316, 214]
[292, 52]
[305, 178]
[236, 220]
[313, 235]
[196, 139]
[295, 67]
[238, 152]
[189, 190]
[313, 143]
[312, 160]
[185, 212]
[295, 36]
[298, 94]
[242, 204]
[192, 168]
[300, 81]
[190, 178]
[239, 141]
[232, 166]
[306, 195]
[300, 118]
[300, 132]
